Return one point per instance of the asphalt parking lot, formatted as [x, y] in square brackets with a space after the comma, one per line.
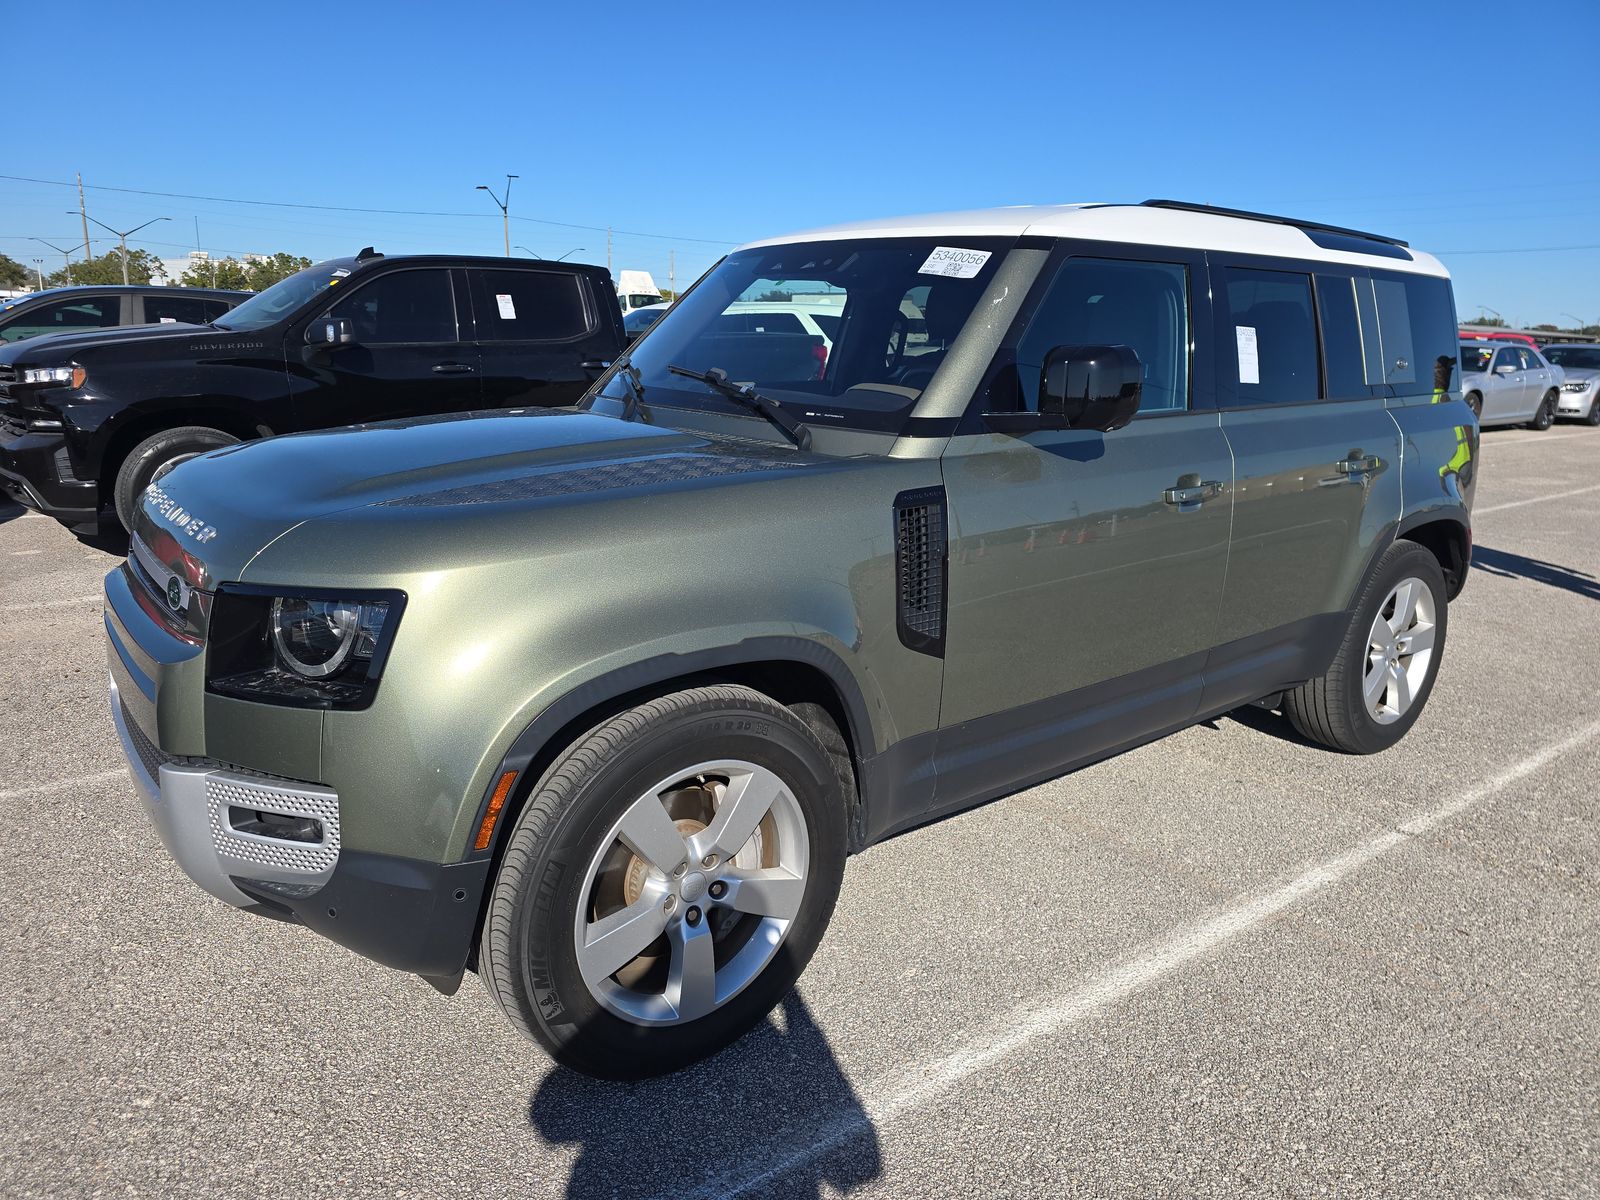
[1226, 963]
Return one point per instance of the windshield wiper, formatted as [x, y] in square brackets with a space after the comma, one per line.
[635, 388]
[746, 395]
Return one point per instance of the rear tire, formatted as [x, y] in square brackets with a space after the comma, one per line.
[646, 786]
[1379, 680]
[154, 457]
[1546, 416]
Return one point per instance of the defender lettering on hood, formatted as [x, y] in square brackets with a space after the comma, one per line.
[170, 511]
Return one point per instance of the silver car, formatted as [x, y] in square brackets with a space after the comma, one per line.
[1580, 394]
[1507, 383]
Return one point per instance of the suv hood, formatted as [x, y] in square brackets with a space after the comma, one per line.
[224, 507]
[53, 347]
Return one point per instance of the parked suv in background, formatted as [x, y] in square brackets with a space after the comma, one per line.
[596, 702]
[89, 420]
[1580, 392]
[1509, 384]
[74, 309]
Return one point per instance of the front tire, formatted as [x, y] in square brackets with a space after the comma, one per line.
[1593, 417]
[1475, 403]
[1385, 667]
[154, 457]
[666, 883]
[1546, 416]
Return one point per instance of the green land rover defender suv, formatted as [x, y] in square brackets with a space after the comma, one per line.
[594, 701]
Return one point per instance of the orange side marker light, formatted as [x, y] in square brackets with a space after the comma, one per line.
[497, 804]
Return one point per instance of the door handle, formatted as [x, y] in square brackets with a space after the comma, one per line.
[1358, 464]
[1194, 493]
[595, 364]
[452, 369]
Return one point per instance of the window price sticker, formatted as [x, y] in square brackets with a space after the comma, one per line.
[508, 310]
[954, 263]
[1249, 360]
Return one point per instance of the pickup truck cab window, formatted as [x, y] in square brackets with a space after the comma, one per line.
[528, 305]
[401, 306]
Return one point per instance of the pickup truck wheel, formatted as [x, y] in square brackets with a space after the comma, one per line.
[154, 457]
[1385, 667]
[666, 883]
[1546, 416]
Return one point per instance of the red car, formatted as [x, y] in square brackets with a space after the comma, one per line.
[1468, 335]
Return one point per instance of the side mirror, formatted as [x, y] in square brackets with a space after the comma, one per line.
[330, 331]
[1508, 369]
[1081, 387]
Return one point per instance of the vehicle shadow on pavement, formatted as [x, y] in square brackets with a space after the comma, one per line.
[10, 510]
[718, 1123]
[1517, 566]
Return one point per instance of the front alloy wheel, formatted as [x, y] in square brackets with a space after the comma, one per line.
[692, 892]
[667, 880]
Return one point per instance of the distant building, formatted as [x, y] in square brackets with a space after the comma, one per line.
[175, 267]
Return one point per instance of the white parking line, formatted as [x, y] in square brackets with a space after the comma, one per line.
[1478, 512]
[67, 603]
[887, 1099]
[63, 785]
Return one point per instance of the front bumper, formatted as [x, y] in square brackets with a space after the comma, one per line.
[192, 802]
[404, 913]
[31, 468]
[1575, 404]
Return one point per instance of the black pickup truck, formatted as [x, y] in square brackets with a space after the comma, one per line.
[88, 420]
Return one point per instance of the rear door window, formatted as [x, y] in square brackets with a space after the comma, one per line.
[543, 306]
[1342, 350]
[1274, 336]
[402, 306]
[1394, 332]
[166, 310]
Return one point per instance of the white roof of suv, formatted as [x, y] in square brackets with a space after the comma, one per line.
[1136, 224]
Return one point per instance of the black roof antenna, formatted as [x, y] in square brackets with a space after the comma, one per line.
[366, 253]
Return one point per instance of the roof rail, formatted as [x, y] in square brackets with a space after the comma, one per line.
[1184, 206]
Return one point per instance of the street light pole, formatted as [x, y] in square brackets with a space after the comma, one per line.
[530, 253]
[505, 208]
[66, 254]
[122, 239]
[38, 269]
[574, 250]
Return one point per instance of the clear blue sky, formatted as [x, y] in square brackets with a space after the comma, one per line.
[1425, 121]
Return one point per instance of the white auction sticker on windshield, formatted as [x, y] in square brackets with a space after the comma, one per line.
[954, 262]
[508, 310]
[1249, 361]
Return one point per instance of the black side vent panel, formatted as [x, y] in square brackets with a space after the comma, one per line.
[921, 569]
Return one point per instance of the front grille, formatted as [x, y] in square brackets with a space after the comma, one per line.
[237, 840]
[920, 561]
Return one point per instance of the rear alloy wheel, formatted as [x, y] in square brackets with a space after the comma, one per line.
[666, 883]
[1385, 667]
[1546, 416]
[153, 458]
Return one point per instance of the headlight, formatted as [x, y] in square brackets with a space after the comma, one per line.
[73, 375]
[1577, 385]
[310, 650]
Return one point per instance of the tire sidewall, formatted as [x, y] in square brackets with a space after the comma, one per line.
[145, 459]
[558, 1004]
[1405, 560]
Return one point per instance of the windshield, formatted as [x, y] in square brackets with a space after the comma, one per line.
[1584, 358]
[1475, 357]
[842, 333]
[285, 296]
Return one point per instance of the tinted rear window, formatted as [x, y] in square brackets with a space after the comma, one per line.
[1341, 338]
[529, 306]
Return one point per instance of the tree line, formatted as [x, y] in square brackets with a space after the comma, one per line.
[143, 267]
